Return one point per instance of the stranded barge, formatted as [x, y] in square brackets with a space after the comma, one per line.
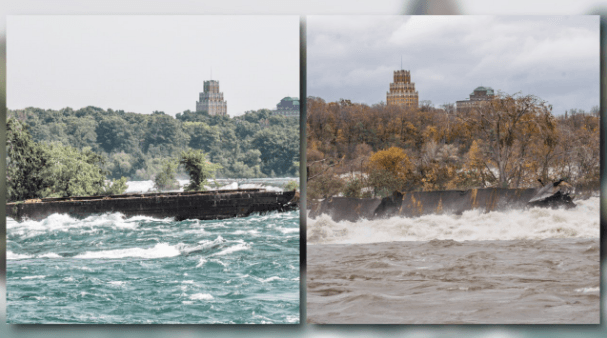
[415, 204]
[203, 205]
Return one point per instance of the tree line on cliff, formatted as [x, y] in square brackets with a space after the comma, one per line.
[136, 146]
[36, 170]
[512, 141]
[39, 170]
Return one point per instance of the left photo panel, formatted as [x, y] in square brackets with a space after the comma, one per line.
[153, 170]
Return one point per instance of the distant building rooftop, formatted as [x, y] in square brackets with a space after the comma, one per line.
[479, 95]
[487, 90]
[288, 106]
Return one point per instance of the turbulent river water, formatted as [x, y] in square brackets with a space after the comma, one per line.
[522, 266]
[108, 269]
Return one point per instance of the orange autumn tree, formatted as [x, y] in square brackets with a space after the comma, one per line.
[512, 141]
[508, 125]
[390, 170]
[437, 166]
[475, 171]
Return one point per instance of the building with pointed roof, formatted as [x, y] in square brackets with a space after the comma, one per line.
[402, 90]
[211, 100]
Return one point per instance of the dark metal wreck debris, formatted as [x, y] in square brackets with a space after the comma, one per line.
[180, 205]
[553, 195]
[418, 203]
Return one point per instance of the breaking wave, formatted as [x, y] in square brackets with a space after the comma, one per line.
[161, 250]
[139, 266]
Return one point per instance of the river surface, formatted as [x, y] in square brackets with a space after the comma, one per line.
[536, 266]
[110, 269]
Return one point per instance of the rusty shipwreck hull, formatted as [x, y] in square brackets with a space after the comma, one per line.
[413, 204]
[182, 205]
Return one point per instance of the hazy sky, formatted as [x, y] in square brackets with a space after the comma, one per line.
[146, 63]
[555, 58]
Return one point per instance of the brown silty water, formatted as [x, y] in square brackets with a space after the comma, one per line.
[538, 266]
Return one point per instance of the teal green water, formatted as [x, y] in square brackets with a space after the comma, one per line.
[107, 269]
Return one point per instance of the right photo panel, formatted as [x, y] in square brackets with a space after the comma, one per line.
[453, 170]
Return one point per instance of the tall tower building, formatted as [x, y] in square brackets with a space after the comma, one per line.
[211, 100]
[402, 90]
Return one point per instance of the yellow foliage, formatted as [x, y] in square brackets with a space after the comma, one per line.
[512, 141]
[431, 133]
[393, 160]
[475, 156]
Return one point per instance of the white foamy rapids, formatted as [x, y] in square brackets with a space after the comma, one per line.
[161, 250]
[232, 249]
[230, 186]
[260, 186]
[33, 277]
[139, 186]
[205, 245]
[266, 280]
[148, 186]
[246, 232]
[201, 262]
[201, 296]
[15, 256]
[536, 223]
[588, 290]
[293, 319]
[63, 222]
[288, 230]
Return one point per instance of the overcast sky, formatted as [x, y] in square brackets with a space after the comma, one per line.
[555, 58]
[146, 63]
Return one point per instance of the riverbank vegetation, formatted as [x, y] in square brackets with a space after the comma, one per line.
[512, 141]
[38, 170]
[92, 151]
[137, 146]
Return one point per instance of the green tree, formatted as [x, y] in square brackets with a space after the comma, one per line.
[252, 145]
[116, 187]
[26, 165]
[73, 172]
[114, 133]
[279, 147]
[165, 179]
[81, 132]
[198, 168]
[202, 136]
[252, 157]
[120, 164]
[164, 130]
